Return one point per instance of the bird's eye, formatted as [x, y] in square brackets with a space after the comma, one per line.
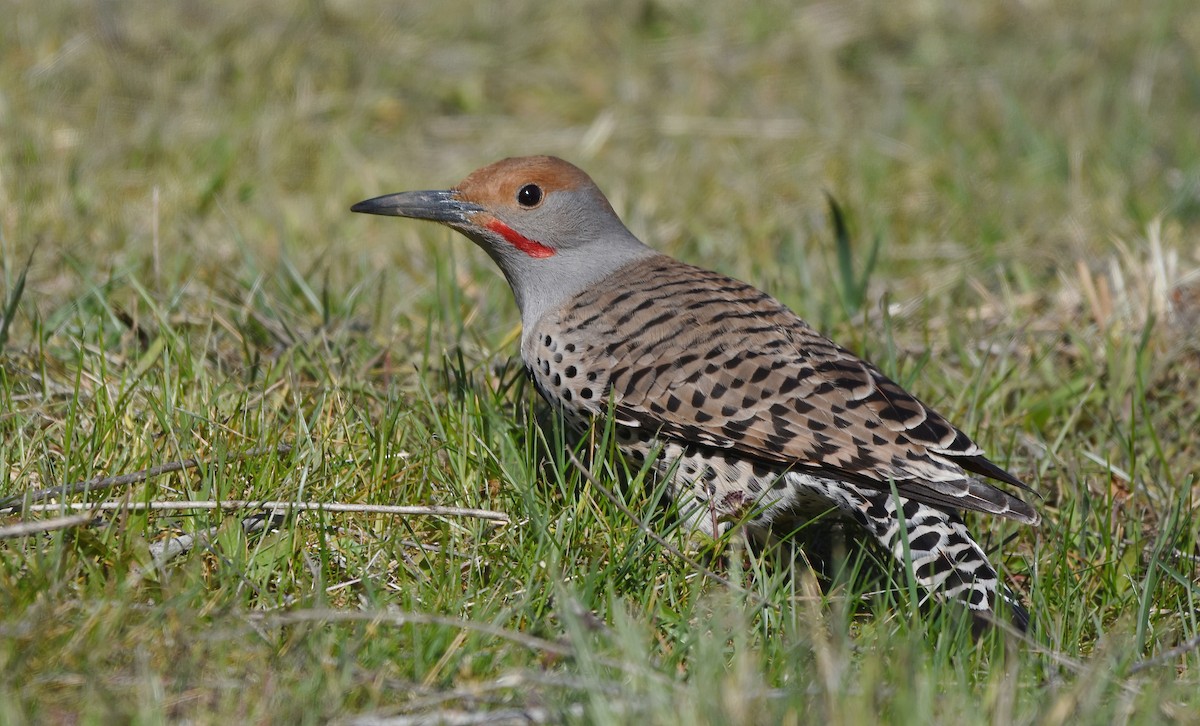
[529, 196]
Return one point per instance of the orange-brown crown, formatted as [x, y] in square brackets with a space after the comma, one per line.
[495, 186]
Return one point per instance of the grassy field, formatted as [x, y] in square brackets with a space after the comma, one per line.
[182, 280]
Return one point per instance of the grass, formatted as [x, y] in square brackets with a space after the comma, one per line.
[1020, 196]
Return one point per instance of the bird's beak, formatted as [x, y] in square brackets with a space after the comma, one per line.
[436, 206]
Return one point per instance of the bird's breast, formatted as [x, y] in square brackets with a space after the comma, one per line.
[565, 368]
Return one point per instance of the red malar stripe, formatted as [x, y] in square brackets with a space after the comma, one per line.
[521, 242]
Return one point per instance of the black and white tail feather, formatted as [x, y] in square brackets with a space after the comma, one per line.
[946, 561]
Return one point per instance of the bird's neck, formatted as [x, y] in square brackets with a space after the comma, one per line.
[570, 272]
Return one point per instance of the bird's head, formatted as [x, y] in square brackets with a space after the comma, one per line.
[544, 221]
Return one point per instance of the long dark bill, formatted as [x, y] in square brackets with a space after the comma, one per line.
[436, 206]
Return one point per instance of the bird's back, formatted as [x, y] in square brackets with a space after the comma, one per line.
[695, 356]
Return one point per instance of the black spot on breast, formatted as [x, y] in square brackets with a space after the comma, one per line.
[585, 394]
[570, 371]
[546, 341]
[557, 380]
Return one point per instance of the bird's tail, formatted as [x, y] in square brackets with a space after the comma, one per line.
[947, 563]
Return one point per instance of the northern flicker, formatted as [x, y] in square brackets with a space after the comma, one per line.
[754, 417]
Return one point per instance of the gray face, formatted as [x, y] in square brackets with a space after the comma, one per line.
[552, 251]
[565, 219]
[547, 226]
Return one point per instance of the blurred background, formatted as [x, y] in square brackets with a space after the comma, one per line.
[182, 278]
[192, 146]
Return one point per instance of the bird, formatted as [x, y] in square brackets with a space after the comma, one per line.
[751, 416]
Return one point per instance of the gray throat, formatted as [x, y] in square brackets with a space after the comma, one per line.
[543, 285]
[577, 270]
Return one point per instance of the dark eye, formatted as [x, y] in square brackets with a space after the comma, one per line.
[529, 195]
